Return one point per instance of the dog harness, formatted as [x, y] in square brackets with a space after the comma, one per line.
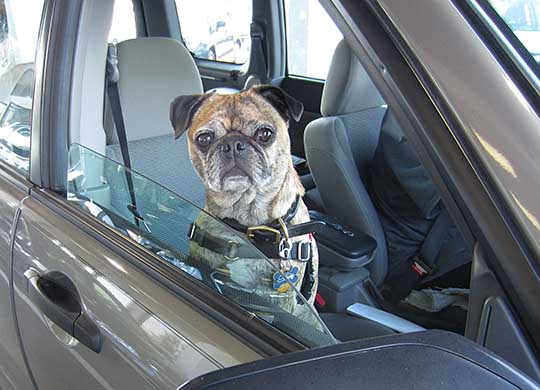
[274, 241]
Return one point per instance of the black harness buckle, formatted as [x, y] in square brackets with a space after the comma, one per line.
[304, 250]
[264, 234]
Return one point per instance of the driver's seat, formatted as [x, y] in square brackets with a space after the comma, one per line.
[340, 146]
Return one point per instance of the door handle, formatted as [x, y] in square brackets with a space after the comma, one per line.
[57, 298]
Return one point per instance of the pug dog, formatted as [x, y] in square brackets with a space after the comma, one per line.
[239, 145]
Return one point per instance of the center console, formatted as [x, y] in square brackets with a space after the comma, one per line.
[344, 254]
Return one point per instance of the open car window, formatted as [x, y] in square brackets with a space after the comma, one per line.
[164, 222]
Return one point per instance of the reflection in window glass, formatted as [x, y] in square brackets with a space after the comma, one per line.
[123, 21]
[523, 18]
[216, 30]
[19, 27]
[163, 222]
[312, 38]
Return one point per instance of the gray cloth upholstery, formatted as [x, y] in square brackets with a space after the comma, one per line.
[369, 177]
[176, 173]
[340, 146]
[153, 71]
[348, 87]
[339, 176]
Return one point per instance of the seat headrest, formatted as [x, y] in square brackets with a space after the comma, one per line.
[153, 71]
[348, 88]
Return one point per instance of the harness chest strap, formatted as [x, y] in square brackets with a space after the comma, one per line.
[274, 240]
[274, 249]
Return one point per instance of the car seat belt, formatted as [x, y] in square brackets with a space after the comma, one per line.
[424, 263]
[112, 76]
[258, 65]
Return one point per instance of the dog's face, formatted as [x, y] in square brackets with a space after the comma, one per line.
[237, 141]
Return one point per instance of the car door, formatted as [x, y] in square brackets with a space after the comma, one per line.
[113, 294]
[90, 319]
[103, 288]
[16, 79]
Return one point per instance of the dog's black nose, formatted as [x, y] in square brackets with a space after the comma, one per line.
[232, 148]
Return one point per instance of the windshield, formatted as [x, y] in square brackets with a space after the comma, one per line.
[164, 223]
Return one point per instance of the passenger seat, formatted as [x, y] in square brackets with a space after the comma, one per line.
[153, 71]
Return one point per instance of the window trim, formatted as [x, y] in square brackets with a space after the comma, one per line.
[51, 109]
[505, 46]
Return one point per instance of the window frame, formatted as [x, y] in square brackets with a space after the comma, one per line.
[286, 45]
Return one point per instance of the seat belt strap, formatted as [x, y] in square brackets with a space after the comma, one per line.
[113, 75]
[425, 262]
[258, 63]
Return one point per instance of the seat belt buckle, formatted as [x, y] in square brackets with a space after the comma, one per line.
[420, 267]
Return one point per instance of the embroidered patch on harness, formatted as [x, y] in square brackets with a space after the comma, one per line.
[280, 280]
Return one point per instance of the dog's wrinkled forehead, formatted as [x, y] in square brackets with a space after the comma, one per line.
[233, 112]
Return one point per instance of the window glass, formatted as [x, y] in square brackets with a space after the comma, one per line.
[166, 224]
[523, 18]
[19, 27]
[123, 21]
[312, 38]
[216, 30]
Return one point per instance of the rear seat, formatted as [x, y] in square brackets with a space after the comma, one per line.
[153, 71]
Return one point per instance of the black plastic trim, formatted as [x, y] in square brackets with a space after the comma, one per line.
[261, 336]
[52, 95]
[381, 363]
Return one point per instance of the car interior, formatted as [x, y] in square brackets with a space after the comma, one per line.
[334, 146]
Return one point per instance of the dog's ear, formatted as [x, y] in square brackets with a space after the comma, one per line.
[286, 105]
[182, 111]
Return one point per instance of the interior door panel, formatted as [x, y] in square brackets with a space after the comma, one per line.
[493, 324]
[149, 338]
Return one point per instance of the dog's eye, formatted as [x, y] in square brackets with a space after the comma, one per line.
[264, 134]
[205, 139]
